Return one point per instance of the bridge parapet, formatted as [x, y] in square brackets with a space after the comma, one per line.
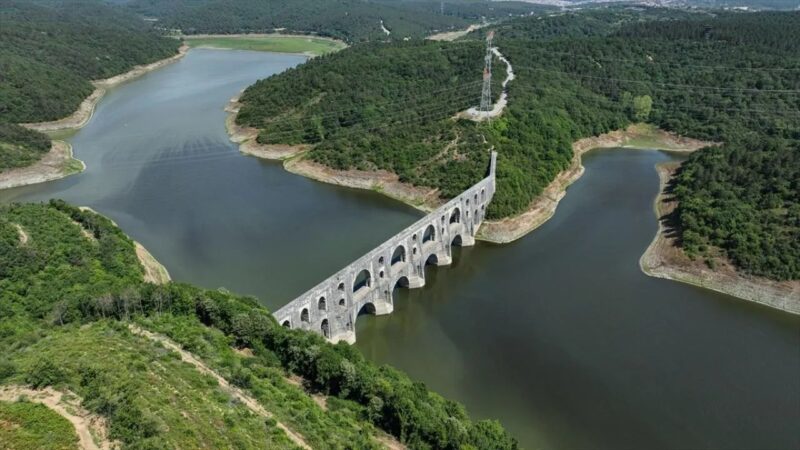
[331, 307]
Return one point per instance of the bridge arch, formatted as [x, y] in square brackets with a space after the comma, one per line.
[399, 255]
[400, 282]
[429, 234]
[366, 308]
[399, 262]
[455, 216]
[362, 280]
[325, 328]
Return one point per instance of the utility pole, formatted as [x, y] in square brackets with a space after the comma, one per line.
[486, 93]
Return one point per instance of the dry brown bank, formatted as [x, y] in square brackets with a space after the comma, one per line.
[543, 207]
[665, 259]
[57, 163]
[83, 114]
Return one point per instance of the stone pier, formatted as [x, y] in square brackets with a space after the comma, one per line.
[366, 285]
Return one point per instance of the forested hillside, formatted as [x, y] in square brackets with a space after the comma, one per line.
[744, 199]
[349, 20]
[49, 52]
[70, 286]
[727, 77]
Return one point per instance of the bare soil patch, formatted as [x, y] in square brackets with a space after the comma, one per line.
[154, 271]
[23, 236]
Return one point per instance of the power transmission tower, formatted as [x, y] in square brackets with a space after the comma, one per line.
[441, 8]
[486, 93]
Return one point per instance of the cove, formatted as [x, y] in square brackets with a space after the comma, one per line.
[558, 335]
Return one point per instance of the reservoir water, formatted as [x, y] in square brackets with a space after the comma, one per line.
[559, 335]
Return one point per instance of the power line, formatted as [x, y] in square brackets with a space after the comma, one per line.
[665, 63]
[674, 85]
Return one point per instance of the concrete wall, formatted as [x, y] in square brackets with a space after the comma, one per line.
[332, 307]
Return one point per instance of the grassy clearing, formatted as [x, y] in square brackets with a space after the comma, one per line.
[648, 136]
[270, 43]
[31, 426]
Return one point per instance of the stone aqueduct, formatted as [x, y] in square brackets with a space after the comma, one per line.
[332, 307]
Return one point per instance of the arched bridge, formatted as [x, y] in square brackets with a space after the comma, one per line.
[331, 307]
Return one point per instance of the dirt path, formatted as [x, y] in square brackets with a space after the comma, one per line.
[251, 403]
[502, 102]
[453, 35]
[91, 429]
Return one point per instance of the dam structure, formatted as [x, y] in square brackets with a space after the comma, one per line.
[366, 285]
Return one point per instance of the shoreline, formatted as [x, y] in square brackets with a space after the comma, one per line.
[778, 295]
[339, 44]
[664, 259]
[294, 161]
[56, 164]
[543, 207]
[154, 271]
[59, 161]
[85, 111]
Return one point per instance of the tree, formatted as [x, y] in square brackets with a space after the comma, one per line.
[642, 105]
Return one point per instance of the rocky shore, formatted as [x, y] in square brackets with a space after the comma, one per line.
[543, 207]
[665, 259]
[58, 162]
[84, 113]
[55, 164]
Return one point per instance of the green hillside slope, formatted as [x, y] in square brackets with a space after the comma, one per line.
[49, 52]
[349, 20]
[71, 287]
[730, 77]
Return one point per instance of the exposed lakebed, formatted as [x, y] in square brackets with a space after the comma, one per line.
[559, 335]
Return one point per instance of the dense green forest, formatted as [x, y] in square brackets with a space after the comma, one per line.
[726, 77]
[49, 52]
[69, 288]
[349, 20]
[744, 198]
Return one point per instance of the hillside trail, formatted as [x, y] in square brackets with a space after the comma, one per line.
[251, 403]
[88, 426]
